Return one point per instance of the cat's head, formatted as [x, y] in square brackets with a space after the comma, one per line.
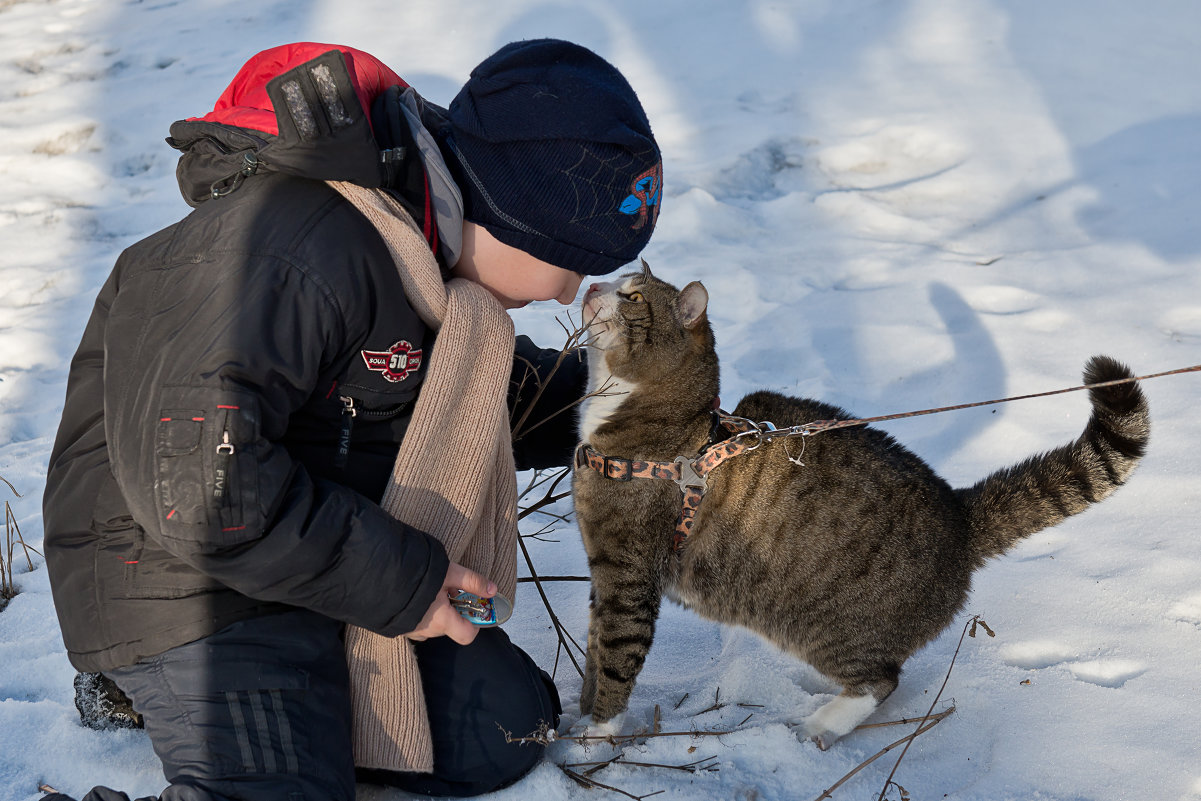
[645, 328]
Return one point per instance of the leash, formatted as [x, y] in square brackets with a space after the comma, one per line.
[691, 473]
[765, 431]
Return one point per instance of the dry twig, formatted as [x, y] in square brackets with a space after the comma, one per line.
[706, 765]
[553, 578]
[565, 638]
[551, 497]
[930, 722]
[716, 705]
[573, 347]
[547, 737]
[976, 619]
[589, 782]
[8, 586]
[10, 486]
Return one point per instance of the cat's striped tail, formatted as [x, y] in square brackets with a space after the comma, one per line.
[1044, 490]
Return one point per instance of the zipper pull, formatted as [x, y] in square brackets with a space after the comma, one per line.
[221, 468]
[349, 413]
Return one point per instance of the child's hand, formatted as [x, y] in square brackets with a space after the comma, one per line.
[442, 619]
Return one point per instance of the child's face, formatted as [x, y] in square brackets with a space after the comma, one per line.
[513, 276]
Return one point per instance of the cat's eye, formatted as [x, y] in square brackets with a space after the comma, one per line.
[636, 297]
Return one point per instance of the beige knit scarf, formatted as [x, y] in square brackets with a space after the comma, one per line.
[454, 477]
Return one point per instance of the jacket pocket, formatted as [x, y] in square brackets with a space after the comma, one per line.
[206, 466]
[180, 469]
[129, 566]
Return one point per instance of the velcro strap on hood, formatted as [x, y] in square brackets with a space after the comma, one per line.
[302, 108]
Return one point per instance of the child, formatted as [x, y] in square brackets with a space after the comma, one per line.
[285, 438]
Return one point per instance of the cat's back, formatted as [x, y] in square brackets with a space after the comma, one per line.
[856, 453]
[833, 521]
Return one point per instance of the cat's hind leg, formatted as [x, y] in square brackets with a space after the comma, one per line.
[847, 710]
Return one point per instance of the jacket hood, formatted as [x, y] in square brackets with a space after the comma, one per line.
[302, 109]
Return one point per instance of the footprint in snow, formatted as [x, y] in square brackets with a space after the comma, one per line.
[1187, 610]
[1042, 654]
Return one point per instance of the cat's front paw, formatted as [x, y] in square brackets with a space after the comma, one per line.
[837, 718]
[603, 728]
[822, 739]
[814, 730]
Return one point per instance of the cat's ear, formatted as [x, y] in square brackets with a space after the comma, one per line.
[646, 269]
[691, 303]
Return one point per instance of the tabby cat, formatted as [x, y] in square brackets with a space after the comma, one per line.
[850, 558]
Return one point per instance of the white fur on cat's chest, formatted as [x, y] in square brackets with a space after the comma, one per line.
[598, 308]
[598, 408]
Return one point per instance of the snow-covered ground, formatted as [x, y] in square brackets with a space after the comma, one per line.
[894, 205]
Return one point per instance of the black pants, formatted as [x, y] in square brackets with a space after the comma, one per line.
[261, 711]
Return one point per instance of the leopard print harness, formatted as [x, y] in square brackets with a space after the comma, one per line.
[727, 439]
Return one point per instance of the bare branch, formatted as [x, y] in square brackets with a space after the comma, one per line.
[20, 538]
[544, 738]
[540, 533]
[539, 478]
[527, 579]
[589, 782]
[972, 624]
[934, 720]
[550, 497]
[560, 629]
[696, 766]
[571, 347]
[717, 704]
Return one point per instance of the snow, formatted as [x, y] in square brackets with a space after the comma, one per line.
[893, 205]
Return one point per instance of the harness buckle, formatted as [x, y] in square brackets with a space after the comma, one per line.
[755, 434]
[626, 474]
[688, 475]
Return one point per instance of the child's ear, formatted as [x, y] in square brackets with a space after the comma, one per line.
[691, 304]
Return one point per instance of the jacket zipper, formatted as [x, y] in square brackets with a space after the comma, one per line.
[225, 452]
[350, 412]
[223, 488]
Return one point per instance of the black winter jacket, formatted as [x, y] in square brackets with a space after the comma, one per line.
[234, 409]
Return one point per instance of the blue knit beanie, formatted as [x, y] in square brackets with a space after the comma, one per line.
[556, 156]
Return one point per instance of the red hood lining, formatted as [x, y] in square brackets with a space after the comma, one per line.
[245, 103]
